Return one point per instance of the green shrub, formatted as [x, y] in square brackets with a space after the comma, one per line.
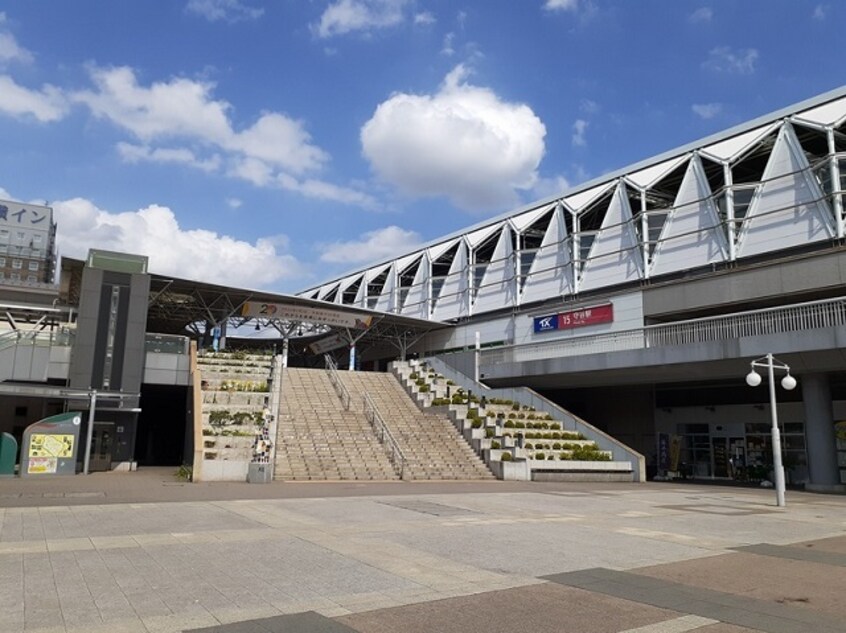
[551, 456]
[556, 446]
[450, 383]
[490, 414]
[423, 388]
[515, 407]
[520, 425]
[489, 433]
[476, 424]
[529, 446]
[521, 416]
[555, 426]
[509, 424]
[531, 416]
[506, 457]
[507, 435]
[414, 375]
[548, 417]
[495, 445]
[512, 416]
[219, 417]
[544, 425]
[540, 456]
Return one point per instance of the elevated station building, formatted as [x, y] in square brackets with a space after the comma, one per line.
[638, 299]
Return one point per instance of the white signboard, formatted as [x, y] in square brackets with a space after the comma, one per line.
[283, 312]
[25, 215]
[326, 344]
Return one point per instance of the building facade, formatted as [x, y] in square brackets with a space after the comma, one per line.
[27, 244]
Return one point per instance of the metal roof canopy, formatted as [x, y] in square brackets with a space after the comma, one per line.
[179, 306]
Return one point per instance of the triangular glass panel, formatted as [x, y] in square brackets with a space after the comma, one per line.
[787, 209]
[615, 255]
[691, 235]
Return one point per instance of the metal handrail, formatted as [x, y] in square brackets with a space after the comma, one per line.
[335, 379]
[796, 317]
[383, 433]
[40, 338]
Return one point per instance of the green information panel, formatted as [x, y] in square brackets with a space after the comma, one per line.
[50, 446]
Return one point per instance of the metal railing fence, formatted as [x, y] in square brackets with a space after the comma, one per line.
[335, 379]
[395, 454]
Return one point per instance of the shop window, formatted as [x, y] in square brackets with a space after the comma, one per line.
[33, 266]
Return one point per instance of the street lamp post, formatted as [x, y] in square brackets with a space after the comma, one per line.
[753, 379]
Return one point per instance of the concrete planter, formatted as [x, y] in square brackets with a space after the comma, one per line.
[511, 471]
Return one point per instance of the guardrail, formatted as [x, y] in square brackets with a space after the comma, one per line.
[166, 343]
[41, 338]
[335, 379]
[395, 454]
[793, 318]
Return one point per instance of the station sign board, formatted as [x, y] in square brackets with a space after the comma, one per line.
[575, 318]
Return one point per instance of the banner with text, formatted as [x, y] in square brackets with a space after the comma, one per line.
[285, 312]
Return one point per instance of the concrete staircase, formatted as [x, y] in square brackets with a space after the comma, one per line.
[318, 440]
[430, 442]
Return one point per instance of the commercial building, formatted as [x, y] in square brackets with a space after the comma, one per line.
[27, 244]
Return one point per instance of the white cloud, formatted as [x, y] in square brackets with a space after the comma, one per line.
[550, 187]
[279, 140]
[143, 153]
[371, 246]
[424, 18]
[227, 10]
[234, 203]
[346, 16]
[463, 142]
[179, 108]
[724, 59]
[561, 5]
[820, 12]
[588, 107]
[448, 49]
[154, 231]
[579, 128]
[701, 15]
[46, 105]
[10, 50]
[707, 110]
[275, 151]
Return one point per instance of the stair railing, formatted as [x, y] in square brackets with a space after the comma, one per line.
[395, 454]
[335, 379]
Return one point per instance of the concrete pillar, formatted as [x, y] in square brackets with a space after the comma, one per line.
[823, 471]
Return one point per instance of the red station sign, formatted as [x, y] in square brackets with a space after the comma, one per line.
[586, 316]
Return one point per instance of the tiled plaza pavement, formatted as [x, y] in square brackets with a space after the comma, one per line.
[653, 558]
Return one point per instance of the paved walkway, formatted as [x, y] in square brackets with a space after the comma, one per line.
[144, 553]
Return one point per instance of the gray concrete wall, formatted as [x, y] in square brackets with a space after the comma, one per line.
[819, 274]
[519, 328]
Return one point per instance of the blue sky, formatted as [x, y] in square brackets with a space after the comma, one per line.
[278, 144]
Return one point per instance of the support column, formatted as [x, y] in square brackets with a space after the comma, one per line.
[823, 471]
